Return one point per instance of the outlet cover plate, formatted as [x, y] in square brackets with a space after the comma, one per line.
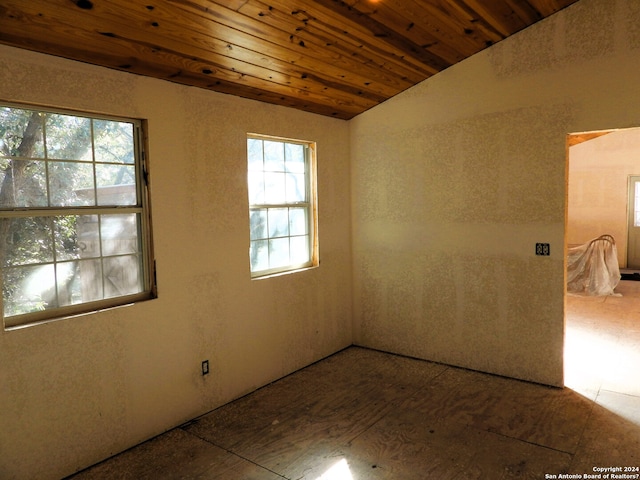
[543, 249]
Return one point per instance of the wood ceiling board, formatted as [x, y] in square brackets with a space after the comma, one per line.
[308, 55]
[436, 17]
[387, 33]
[525, 11]
[354, 41]
[578, 138]
[189, 57]
[387, 81]
[350, 39]
[400, 18]
[549, 7]
[331, 57]
[249, 49]
[301, 60]
[499, 15]
[158, 62]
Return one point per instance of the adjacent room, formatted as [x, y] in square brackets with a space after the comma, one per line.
[601, 337]
[315, 240]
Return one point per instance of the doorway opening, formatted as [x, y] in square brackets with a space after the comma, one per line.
[602, 333]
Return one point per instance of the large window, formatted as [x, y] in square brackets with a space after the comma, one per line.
[74, 220]
[282, 205]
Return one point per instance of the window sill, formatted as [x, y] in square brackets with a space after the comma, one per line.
[287, 272]
[34, 321]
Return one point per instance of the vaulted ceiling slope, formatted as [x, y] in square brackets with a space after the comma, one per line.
[331, 57]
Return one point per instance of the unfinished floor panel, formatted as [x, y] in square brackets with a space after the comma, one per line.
[364, 414]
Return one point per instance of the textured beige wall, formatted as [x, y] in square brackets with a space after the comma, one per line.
[599, 172]
[455, 180]
[75, 391]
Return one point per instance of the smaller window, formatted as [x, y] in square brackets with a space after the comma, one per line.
[282, 205]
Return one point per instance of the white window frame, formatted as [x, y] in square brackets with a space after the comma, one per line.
[310, 204]
[142, 208]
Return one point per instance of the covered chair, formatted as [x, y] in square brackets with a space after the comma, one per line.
[592, 268]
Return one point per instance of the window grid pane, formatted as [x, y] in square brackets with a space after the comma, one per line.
[280, 210]
[78, 157]
[71, 272]
[57, 255]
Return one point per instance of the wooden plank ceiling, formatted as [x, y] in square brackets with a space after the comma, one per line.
[331, 57]
[578, 138]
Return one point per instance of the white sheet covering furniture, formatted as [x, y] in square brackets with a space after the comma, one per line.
[592, 268]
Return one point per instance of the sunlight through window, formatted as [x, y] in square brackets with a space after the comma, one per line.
[339, 471]
[595, 358]
[587, 355]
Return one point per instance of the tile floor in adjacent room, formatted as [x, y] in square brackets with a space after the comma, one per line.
[363, 414]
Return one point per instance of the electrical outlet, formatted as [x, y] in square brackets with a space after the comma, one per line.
[205, 367]
[543, 249]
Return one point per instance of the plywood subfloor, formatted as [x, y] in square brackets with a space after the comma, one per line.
[362, 414]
